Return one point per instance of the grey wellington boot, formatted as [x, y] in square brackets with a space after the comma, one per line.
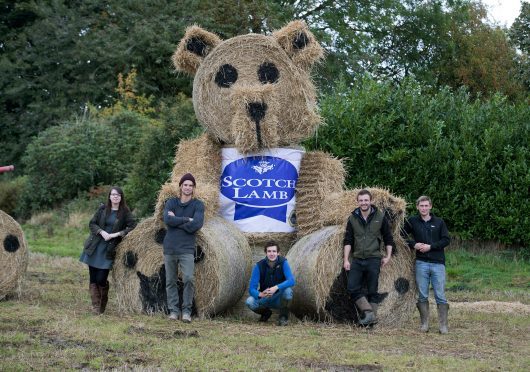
[423, 308]
[374, 310]
[365, 308]
[443, 309]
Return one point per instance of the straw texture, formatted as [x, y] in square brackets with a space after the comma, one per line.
[289, 99]
[317, 260]
[202, 158]
[13, 256]
[221, 273]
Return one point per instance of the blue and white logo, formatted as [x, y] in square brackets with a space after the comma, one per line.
[260, 186]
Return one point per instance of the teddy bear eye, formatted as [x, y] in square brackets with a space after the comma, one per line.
[268, 73]
[226, 76]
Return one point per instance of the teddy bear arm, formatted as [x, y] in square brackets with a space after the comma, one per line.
[321, 175]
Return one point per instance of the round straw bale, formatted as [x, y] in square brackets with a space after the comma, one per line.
[339, 206]
[13, 256]
[321, 283]
[222, 270]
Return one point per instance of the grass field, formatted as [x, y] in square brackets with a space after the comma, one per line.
[472, 276]
[49, 327]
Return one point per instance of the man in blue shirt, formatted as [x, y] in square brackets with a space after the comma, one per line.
[270, 285]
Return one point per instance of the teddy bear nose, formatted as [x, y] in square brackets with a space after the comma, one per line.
[257, 110]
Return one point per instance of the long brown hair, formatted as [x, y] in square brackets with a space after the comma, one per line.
[122, 208]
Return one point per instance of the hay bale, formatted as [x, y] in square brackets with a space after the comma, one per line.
[222, 269]
[339, 206]
[194, 37]
[13, 256]
[320, 175]
[298, 30]
[317, 259]
[190, 158]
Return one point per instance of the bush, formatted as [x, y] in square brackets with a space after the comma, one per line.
[153, 160]
[10, 191]
[67, 159]
[471, 157]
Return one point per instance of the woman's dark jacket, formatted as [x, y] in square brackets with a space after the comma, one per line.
[125, 222]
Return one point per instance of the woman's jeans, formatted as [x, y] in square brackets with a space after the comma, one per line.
[426, 273]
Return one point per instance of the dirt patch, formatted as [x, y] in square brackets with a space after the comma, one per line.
[164, 334]
[318, 366]
[493, 307]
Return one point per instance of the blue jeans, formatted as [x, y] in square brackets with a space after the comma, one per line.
[185, 263]
[427, 273]
[273, 302]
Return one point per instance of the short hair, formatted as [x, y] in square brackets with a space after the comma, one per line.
[271, 243]
[423, 198]
[364, 192]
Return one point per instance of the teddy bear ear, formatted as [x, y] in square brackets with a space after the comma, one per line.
[299, 43]
[196, 44]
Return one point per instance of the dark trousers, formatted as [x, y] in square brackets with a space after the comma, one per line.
[364, 272]
[98, 276]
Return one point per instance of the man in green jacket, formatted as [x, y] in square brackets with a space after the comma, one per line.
[366, 228]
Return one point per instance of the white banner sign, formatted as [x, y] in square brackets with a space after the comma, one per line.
[258, 190]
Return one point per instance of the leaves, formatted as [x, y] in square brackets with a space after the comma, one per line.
[470, 156]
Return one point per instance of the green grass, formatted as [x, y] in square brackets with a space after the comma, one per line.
[50, 327]
[488, 275]
[59, 241]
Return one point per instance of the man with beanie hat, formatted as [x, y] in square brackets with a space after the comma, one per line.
[183, 216]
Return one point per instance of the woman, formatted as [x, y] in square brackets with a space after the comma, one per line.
[110, 224]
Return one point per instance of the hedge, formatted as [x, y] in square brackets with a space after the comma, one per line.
[470, 156]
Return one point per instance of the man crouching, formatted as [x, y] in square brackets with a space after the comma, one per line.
[270, 285]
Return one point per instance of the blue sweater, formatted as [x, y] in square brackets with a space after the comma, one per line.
[180, 236]
[254, 280]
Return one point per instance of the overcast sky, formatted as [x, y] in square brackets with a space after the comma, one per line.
[503, 11]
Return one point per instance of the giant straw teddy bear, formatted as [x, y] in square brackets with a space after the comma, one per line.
[255, 99]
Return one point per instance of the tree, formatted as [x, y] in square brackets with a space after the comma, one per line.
[57, 57]
[481, 58]
[520, 37]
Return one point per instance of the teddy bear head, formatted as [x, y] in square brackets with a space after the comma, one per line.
[253, 91]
